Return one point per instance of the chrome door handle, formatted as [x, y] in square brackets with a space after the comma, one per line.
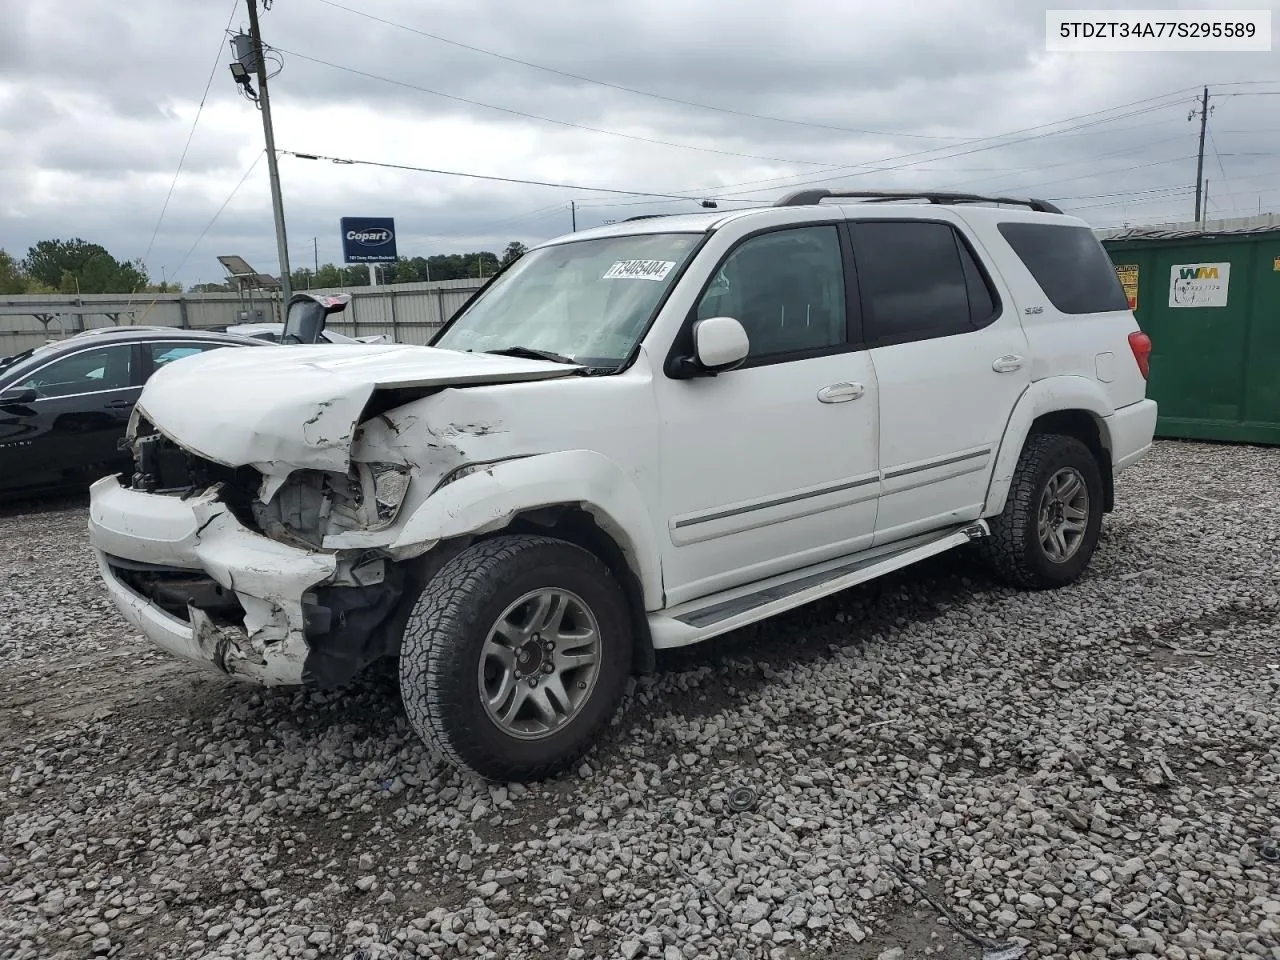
[1007, 364]
[840, 392]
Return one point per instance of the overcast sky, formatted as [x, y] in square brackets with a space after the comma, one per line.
[97, 100]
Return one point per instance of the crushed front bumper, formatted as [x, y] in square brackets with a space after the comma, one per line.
[243, 593]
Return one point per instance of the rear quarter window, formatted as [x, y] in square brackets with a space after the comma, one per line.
[1070, 265]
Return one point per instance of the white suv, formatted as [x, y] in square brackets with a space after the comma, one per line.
[634, 438]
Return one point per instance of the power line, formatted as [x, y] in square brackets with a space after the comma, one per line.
[482, 176]
[1174, 193]
[1099, 173]
[1123, 193]
[1145, 103]
[199, 110]
[1014, 170]
[230, 196]
[626, 89]
[530, 216]
[534, 116]
[1065, 163]
[1107, 173]
[1214, 145]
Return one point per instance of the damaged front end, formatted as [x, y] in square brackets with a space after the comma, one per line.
[300, 506]
[226, 565]
[258, 531]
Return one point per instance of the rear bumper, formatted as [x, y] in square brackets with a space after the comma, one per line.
[140, 537]
[1131, 429]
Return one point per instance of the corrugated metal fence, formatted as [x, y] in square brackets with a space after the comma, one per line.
[407, 312]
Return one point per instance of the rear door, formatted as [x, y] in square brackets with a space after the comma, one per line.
[160, 353]
[950, 360]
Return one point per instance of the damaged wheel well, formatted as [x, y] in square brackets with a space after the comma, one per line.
[350, 628]
[575, 525]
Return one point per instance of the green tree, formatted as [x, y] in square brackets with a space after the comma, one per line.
[440, 266]
[12, 279]
[303, 279]
[515, 250]
[74, 266]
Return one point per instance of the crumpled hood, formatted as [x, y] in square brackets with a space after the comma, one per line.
[299, 406]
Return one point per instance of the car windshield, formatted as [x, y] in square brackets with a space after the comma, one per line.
[589, 301]
[11, 367]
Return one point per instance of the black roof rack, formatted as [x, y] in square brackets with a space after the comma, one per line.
[806, 198]
[646, 216]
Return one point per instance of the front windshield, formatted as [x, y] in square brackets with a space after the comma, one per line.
[589, 300]
[24, 361]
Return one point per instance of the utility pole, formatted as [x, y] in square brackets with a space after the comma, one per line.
[277, 204]
[573, 214]
[1204, 122]
[315, 249]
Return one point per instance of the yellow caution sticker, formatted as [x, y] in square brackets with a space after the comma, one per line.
[1128, 274]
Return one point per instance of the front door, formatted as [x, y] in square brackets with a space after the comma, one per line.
[771, 466]
[951, 361]
[71, 430]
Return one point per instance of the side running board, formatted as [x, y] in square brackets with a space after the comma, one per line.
[719, 613]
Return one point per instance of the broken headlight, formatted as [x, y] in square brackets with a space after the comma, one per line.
[314, 504]
[384, 485]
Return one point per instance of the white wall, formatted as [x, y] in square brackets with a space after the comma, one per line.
[408, 312]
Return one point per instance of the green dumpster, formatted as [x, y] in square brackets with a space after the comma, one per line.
[1210, 300]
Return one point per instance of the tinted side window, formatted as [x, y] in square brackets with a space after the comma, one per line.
[786, 288]
[982, 300]
[1070, 265]
[89, 371]
[165, 353]
[917, 281]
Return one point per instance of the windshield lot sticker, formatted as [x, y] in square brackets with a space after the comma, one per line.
[639, 270]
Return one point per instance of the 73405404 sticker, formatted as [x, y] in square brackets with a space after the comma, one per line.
[639, 270]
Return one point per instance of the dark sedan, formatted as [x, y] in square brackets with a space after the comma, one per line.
[64, 406]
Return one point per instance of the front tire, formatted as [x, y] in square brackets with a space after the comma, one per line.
[514, 657]
[1051, 522]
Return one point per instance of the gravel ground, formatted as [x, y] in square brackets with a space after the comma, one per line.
[1093, 772]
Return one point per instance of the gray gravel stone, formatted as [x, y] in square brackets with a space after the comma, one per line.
[1066, 767]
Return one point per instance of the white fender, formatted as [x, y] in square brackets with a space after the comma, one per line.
[1044, 396]
[487, 499]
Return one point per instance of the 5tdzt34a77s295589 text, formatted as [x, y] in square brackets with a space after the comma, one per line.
[1157, 30]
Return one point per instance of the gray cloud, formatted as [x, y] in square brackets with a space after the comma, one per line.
[96, 101]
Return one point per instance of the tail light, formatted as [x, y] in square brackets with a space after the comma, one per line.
[1140, 344]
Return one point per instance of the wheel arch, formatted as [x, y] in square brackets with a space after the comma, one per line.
[1072, 406]
[577, 525]
[578, 496]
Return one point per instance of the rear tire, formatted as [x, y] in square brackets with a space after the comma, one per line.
[1051, 522]
[514, 656]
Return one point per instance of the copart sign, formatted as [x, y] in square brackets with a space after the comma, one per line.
[368, 239]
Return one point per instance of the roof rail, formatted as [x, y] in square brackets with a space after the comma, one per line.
[806, 198]
[646, 216]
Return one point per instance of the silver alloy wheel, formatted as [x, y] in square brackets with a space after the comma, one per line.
[1064, 514]
[539, 663]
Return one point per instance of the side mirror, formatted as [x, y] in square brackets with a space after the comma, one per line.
[18, 396]
[305, 319]
[719, 344]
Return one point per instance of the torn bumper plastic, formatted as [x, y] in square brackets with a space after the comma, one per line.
[199, 584]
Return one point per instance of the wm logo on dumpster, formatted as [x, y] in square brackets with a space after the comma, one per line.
[1198, 273]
